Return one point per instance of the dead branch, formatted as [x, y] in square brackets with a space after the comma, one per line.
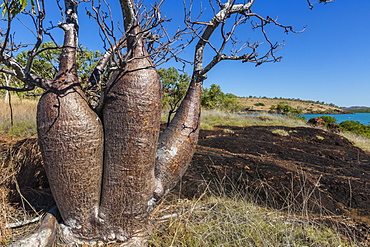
[268, 20]
[40, 30]
[24, 223]
[310, 5]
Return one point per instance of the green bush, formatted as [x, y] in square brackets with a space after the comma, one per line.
[174, 88]
[214, 98]
[355, 127]
[259, 104]
[329, 120]
[285, 109]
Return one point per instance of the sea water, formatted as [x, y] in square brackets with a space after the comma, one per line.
[363, 118]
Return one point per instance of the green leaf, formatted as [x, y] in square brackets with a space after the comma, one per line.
[24, 4]
[3, 13]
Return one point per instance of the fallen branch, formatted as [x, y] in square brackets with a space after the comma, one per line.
[23, 223]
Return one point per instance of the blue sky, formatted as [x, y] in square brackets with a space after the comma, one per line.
[329, 61]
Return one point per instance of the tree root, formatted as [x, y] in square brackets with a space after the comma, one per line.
[45, 235]
[51, 231]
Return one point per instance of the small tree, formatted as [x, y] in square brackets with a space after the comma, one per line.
[285, 109]
[329, 119]
[174, 86]
[214, 98]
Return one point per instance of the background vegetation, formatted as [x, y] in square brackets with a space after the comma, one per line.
[175, 84]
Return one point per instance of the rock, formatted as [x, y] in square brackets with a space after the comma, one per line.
[317, 122]
[334, 128]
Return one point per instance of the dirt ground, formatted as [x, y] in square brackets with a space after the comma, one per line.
[295, 169]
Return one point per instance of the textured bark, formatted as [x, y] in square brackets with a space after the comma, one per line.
[177, 143]
[70, 136]
[131, 123]
[71, 142]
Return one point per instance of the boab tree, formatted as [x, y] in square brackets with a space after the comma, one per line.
[107, 163]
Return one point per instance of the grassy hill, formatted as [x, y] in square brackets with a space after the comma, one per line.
[264, 105]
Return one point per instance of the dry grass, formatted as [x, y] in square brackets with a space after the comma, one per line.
[211, 118]
[358, 140]
[22, 183]
[23, 110]
[24, 117]
[235, 219]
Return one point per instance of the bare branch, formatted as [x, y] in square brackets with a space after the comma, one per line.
[15, 89]
[9, 21]
[268, 20]
[10, 62]
[7, 71]
[101, 19]
[40, 30]
[225, 12]
[128, 13]
[321, 1]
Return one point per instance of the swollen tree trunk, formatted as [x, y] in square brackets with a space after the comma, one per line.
[131, 123]
[70, 137]
[71, 141]
[177, 143]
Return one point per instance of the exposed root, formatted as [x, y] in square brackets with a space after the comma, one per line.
[45, 235]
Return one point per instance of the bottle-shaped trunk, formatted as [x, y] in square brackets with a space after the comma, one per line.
[71, 141]
[177, 143]
[131, 123]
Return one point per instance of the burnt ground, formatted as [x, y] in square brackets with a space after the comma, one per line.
[294, 169]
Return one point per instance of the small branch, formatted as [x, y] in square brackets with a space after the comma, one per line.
[269, 20]
[24, 223]
[10, 62]
[39, 26]
[9, 20]
[201, 23]
[219, 58]
[321, 1]
[103, 62]
[25, 89]
[7, 71]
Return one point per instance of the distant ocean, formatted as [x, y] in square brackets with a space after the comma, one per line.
[363, 118]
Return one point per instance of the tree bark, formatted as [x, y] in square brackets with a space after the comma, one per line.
[177, 143]
[131, 123]
[71, 141]
[70, 136]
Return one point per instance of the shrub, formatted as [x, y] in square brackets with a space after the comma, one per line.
[214, 98]
[285, 109]
[259, 104]
[355, 127]
[329, 120]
